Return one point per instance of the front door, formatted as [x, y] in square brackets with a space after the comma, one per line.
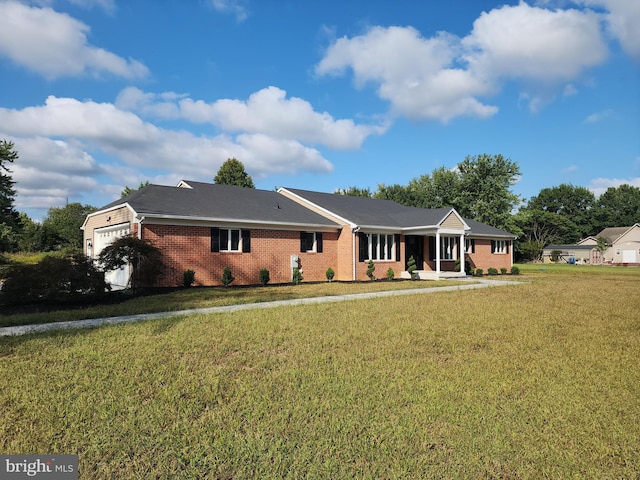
[414, 246]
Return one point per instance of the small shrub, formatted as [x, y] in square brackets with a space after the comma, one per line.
[227, 277]
[188, 277]
[297, 276]
[503, 271]
[515, 270]
[479, 272]
[411, 268]
[492, 271]
[370, 269]
[390, 274]
[330, 274]
[264, 276]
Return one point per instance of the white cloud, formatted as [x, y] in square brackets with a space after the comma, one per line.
[55, 45]
[600, 185]
[267, 111]
[444, 77]
[534, 44]
[237, 8]
[99, 140]
[622, 19]
[417, 75]
[598, 116]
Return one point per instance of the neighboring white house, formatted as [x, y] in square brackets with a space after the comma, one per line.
[623, 248]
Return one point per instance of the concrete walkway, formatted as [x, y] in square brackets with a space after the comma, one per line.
[96, 322]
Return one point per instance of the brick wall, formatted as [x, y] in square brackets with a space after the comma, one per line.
[189, 247]
[484, 259]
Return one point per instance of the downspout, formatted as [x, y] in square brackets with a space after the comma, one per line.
[354, 230]
[140, 227]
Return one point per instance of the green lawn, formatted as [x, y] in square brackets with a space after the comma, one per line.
[539, 380]
[184, 299]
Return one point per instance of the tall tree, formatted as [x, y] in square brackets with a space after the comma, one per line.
[129, 190]
[617, 207]
[61, 227]
[440, 189]
[485, 189]
[574, 203]
[354, 192]
[232, 173]
[8, 214]
[539, 228]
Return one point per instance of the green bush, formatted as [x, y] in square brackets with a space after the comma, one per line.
[479, 272]
[468, 269]
[515, 270]
[264, 276]
[297, 276]
[492, 271]
[227, 276]
[330, 274]
[370, 269]
[390, 274]
[503, 270]
[188, 277]
[53, 280]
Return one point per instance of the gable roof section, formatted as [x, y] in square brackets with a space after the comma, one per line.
[197, 201]
[376, 213]
[614, 234]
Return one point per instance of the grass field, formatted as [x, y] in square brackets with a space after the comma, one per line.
[539, 380]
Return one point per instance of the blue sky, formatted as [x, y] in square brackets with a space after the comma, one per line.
[318, 94]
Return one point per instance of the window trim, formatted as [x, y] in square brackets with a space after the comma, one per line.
[369, 241]
[244, 240]
[453, 244]
[499, 247]
[317, 243]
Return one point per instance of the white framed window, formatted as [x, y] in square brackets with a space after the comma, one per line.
[229, 240]
[311, 242]
[469, 245]
[381, 246]
[499, 246]
[448, 248]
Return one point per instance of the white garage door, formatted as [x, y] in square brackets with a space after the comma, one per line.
[102, 238]
[628, 256]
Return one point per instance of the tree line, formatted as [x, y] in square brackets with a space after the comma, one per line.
[479, 188]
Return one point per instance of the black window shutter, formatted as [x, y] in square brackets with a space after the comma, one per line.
[215, 239]
[303, 243]
[246, 241]
[507, 242]
[319, 242]
[364, 247]
[432, 248]
[493, 246]
[397, 240]
[473, 245]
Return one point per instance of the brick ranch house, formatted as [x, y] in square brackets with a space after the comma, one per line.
[206, 227]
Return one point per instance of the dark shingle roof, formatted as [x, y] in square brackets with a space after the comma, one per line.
[375, 212]
[220, 202]
[371, 211]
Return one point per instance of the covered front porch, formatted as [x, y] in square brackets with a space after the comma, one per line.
[438, 252]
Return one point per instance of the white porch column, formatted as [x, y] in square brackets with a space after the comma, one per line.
[462, 245]
[438, 253]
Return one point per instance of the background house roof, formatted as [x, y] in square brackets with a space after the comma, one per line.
[614, 233]
[225, 202]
